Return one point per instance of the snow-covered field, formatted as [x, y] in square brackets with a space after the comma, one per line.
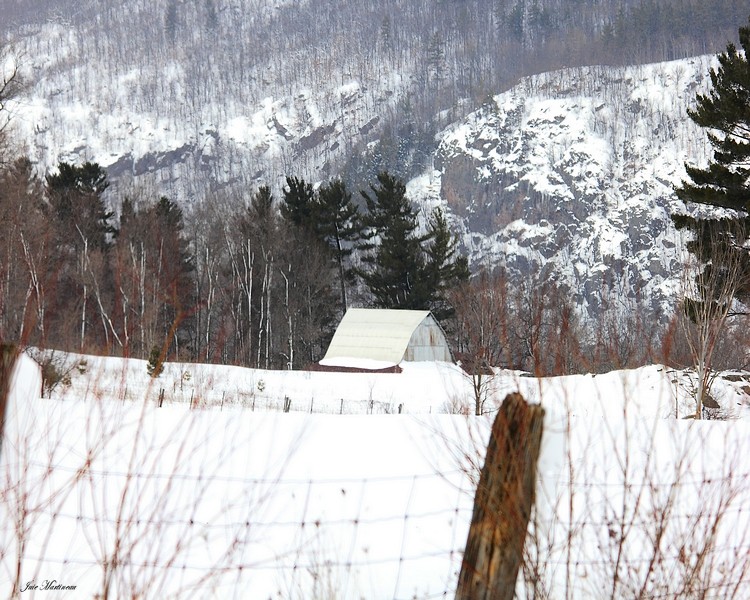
[104, 488]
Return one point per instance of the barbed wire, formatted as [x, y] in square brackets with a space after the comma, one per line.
[252, 480]
[647, 483]
[274, 563]
[703, 588]
[297, 523]
[646, 521]
[678, 482]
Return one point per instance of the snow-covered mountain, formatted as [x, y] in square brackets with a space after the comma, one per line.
[569, 172]
[572, 173]
[154, 127]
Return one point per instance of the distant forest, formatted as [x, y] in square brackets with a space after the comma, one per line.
[516, 37]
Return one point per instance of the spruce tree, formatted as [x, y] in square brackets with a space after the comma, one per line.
[725, 182]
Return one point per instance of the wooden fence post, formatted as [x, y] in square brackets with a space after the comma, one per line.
[8, 355]
[503, 502]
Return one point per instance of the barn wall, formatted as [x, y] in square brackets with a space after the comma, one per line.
[428, 343]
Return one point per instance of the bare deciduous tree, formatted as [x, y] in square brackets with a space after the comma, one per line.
[10, 88]
[711, 290]
[481, 322]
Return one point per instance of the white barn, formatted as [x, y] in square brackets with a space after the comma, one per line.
[374, 339]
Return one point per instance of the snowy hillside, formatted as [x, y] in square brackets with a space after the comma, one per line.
[151, 124]
[102, 487]
[569, 172]
[572, 173]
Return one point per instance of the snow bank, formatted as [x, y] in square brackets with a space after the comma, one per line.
[217, 503]
[229, 500]
[23, 397]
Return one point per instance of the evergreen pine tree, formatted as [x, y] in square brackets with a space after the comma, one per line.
[127, 213]
[156, 293]
[407, 269]
[170, 20]
[444, 268]
[154, 367]
[396, 278]
[260, 228]
[260, 221]
[212, 17]
[719, 242]
[76, 197]
[298, 202]
[725, 183]
[83, 234]
[337, 223]
[725, 111]
[175, 263]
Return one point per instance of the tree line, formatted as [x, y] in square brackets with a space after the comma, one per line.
[260, 281]
[263, 281]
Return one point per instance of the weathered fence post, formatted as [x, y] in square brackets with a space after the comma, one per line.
[503, 502]
[8, 355]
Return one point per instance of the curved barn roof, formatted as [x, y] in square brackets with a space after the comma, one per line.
[373, 338]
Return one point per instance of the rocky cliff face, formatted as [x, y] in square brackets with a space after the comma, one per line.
[570, 174]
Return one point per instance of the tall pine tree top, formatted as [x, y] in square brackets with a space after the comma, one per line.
[76, 197]
[408, 269]
[298, 201]
[336, 218]
[338, 224]
[397, 264]
[725, 111]
[260, 222]
[445, 267]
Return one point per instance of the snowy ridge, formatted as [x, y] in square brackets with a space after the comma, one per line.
[421, 388]
[197, 114]
[572, 172]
